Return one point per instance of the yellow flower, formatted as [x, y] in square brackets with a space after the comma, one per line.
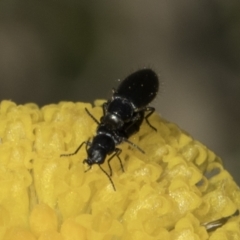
[177, 190]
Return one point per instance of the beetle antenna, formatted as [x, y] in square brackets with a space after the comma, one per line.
[76, 151]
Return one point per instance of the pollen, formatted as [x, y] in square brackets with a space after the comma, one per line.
[177, 189]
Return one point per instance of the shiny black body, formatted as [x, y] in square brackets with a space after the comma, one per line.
[131, 99]
[122, 117]
[140, 88]
[105, 142]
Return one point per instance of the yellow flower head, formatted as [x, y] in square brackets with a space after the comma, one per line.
[176, 190]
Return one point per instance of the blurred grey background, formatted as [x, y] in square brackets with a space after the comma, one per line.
[77, 50]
